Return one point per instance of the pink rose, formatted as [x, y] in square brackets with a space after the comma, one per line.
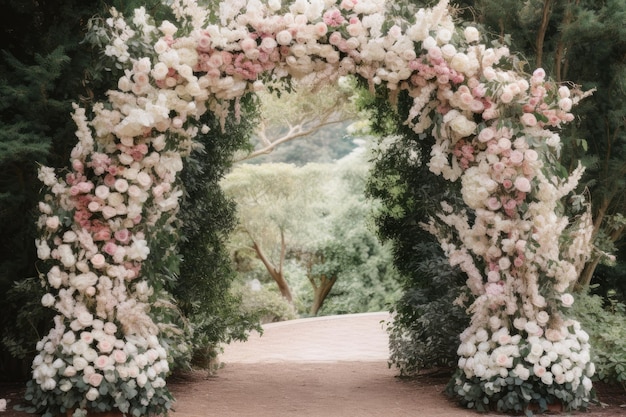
[102, 361]
[529, 119]
[105, 346]
[122, 236]
[95, 379]
[119, 356]
[109, 248]
[516, 157]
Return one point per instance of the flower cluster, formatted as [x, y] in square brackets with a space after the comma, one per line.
[490, 124]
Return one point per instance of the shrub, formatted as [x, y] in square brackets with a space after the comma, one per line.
[264, 302]
[425, 331]
[606, 326]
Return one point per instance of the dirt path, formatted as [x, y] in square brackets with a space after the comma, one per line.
[324, 367]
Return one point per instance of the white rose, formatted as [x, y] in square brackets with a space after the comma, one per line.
[567, 299]
[52, 222]
[47, 300]
[79, 363]
[542, 318]
[92, 394]
[460, 63]
[142, 379]
[284, 37]
[462, 126]
[471, 34]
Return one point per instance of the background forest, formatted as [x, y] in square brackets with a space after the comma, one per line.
[310, 211]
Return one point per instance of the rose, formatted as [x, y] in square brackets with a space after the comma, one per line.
[94, 379]
[98, 261]
[284, 37]
[536, 349]
[542, 318]
[119, 356]
[471, 34]
[47, 300]
[460, 63]
[529, 119]
[52, 222]
[503, 360]
[92, 394]
[110, 328]
[105, 346]
[522, 184]
[79, 363]
[462, 126]
[142, 379]
[567, 300]
[539, 370]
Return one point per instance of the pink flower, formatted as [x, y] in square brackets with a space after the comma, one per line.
[486, 134]
[333, 18]
[119, 356]
[105, 346]
[102, 361]
[516, 157]
[493, 203]
[95, 379]
[321, 29]
[529, 119]
[122, 236]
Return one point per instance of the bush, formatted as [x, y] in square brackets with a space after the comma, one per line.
[425, 331]
[264, 302]
[606, 326]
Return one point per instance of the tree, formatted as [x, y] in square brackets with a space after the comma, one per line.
[278, 205]
[364, 278]
[44, 67]
[299, 114]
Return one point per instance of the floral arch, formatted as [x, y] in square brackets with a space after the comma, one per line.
[494, 130]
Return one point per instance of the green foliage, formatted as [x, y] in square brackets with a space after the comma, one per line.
[264, 302]
[42, 71]
[512, 394]
[426, 326]
[202, 291]
[606, 326]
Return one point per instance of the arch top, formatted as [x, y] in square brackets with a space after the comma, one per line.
[494, 129]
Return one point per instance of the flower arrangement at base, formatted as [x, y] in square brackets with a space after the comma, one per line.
[109, 224]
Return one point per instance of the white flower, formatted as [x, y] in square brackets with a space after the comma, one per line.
[92, 394]
[461, 125]
[47, 300]
[284, 37]
[167, 28]
[471, 34]
[567, 300]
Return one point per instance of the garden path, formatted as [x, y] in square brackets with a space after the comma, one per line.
[321, 367]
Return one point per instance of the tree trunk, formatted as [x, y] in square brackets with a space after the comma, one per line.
[276, 273]
[321, 291]
[541, 34]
